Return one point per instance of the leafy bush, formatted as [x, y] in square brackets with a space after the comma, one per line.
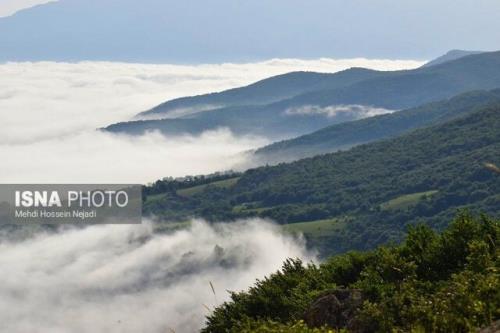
[446, 282]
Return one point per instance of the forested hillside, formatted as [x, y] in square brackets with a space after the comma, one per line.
[345, 135]
[432, 282]
[366, 196]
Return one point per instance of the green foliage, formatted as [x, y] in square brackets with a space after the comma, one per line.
[276, 327]
[351, 186]
[407, 200]
[446, 282]
[281, 296]
[319, 228]
[190, 191]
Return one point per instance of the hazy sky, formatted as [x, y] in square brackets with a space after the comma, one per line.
[215, 31]
[9, 7]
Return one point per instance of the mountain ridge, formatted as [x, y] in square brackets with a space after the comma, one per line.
[450, 55]
[346, 135]
[258, 93]
[381, 90]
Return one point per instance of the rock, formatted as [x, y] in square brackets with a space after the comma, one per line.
[493, 328]
[335, 309]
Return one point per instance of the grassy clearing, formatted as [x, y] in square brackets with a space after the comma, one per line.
[190, 191]
[406, 201]
[247, 208]
[171, 226]
[316, 228]
[312, 229]
[155, 197]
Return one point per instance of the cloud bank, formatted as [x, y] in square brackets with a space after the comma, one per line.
[352, 111]
[49, 112]
[127, 279]
[100, 157]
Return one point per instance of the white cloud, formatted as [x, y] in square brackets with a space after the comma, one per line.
[119, 278]
[9, 7]
[49, 112]
[354, 111]
[99, 157]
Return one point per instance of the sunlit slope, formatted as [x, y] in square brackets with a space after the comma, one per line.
[449, 159]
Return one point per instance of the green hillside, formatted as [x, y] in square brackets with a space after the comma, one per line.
[449, 159]
[407, 200]
[190, 191]
[447, 282]
[346, 135]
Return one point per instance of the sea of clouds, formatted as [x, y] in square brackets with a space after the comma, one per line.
[126, 278]
[49, 113]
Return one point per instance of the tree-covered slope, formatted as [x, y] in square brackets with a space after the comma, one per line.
[348, 134]
[371, 192]
[446, 282]
[312, 110]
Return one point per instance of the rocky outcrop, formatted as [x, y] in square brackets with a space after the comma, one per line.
[335, 309]
[493, 328]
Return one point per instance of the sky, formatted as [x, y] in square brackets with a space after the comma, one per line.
[195, 31]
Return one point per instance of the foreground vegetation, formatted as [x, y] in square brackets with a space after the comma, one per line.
[446, 282]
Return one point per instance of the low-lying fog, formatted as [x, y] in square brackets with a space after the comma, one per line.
[49, 113]
[119, 278]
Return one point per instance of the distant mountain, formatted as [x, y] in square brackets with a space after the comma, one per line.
[194, 31]
[339, 97]
[266, 91]
[451, 55]
[405, 89]
[349, 134]
[362, 197]
[268, 121]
